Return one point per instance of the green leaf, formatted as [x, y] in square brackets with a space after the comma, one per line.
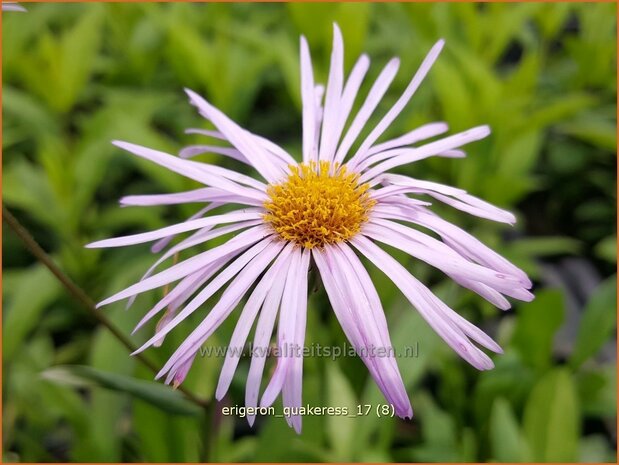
[508, 442]
[607, 249]
[438, 431]
[598, 322]
[34, 290]
[552, 419]
[544, 246]
[156, 394]
[341, 428]
[536, 326]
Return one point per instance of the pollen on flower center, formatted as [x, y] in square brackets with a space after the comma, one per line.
[318, 204]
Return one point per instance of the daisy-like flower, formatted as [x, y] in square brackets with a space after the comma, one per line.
[324, 212]
[12, 6]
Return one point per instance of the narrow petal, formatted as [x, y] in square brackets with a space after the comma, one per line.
[181, 374]
[461, 199]
[292, 390]
[204, 194]
[360, 288]
[318, 113]
[240, 215]
[163, 243]
[345, 305]
[474, 206]
[228, 301]
[206, 132]
[431, 308]
[246, 320]
[285, 331]
[207, 194]
[183, 290]
[349, 95]
[433, 148]
[194, 150]
[252, 256]
[491, 295]
[401, 103]
[266, 144]
[238, 137]
[264, 330]
[460, 240]
[418, 134]
[394, 147]
[438, 254]
[198, 237]
[12, 6]
[310, 150]
[372, 100]
[190, 169]
[191, 265]
[333, 97]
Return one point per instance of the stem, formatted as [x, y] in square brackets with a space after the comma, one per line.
[78, 293]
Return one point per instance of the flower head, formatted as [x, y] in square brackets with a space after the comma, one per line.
[326, 211]
[318, 204]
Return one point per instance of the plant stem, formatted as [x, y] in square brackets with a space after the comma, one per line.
[78, 293]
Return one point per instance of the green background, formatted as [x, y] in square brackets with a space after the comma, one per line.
[541, 75]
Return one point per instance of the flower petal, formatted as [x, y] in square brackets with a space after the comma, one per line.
[438, 254]
[197, 171]
[285, 330]
[401, 103]
[431, 308]
[191, 265]
[431, 149]
[237, 267]
[238, 137]
[12, 6]
[350, 303]
[199, 237]
[246, 320]
[228, 301]
[308, 97]
[360, 288]
[418, 134]
[394, 147]
[183, 290]
[262, 337]
[380, 86]
[266, 144]
[333, 97]
[239, 215]
[292, 390]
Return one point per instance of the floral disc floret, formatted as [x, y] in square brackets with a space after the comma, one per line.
[318, 204]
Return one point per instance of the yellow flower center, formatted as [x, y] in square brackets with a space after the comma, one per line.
[314, 207]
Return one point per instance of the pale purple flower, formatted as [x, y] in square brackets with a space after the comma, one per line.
[336, 206]
[12, 6]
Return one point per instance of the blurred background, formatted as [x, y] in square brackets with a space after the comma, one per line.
[543, 76]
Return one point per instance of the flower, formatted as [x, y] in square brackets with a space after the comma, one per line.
[12, 6]
[330, 209]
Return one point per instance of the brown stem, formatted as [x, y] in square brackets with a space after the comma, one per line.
[78, 293]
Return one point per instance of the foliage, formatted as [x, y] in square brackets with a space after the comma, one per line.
[542, 75]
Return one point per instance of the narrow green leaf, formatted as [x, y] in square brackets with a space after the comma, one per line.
[598, 322]
[536, 326]
[156, 394]
[508, 442]
[341, 427]
[552, 419]
[35, 289]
